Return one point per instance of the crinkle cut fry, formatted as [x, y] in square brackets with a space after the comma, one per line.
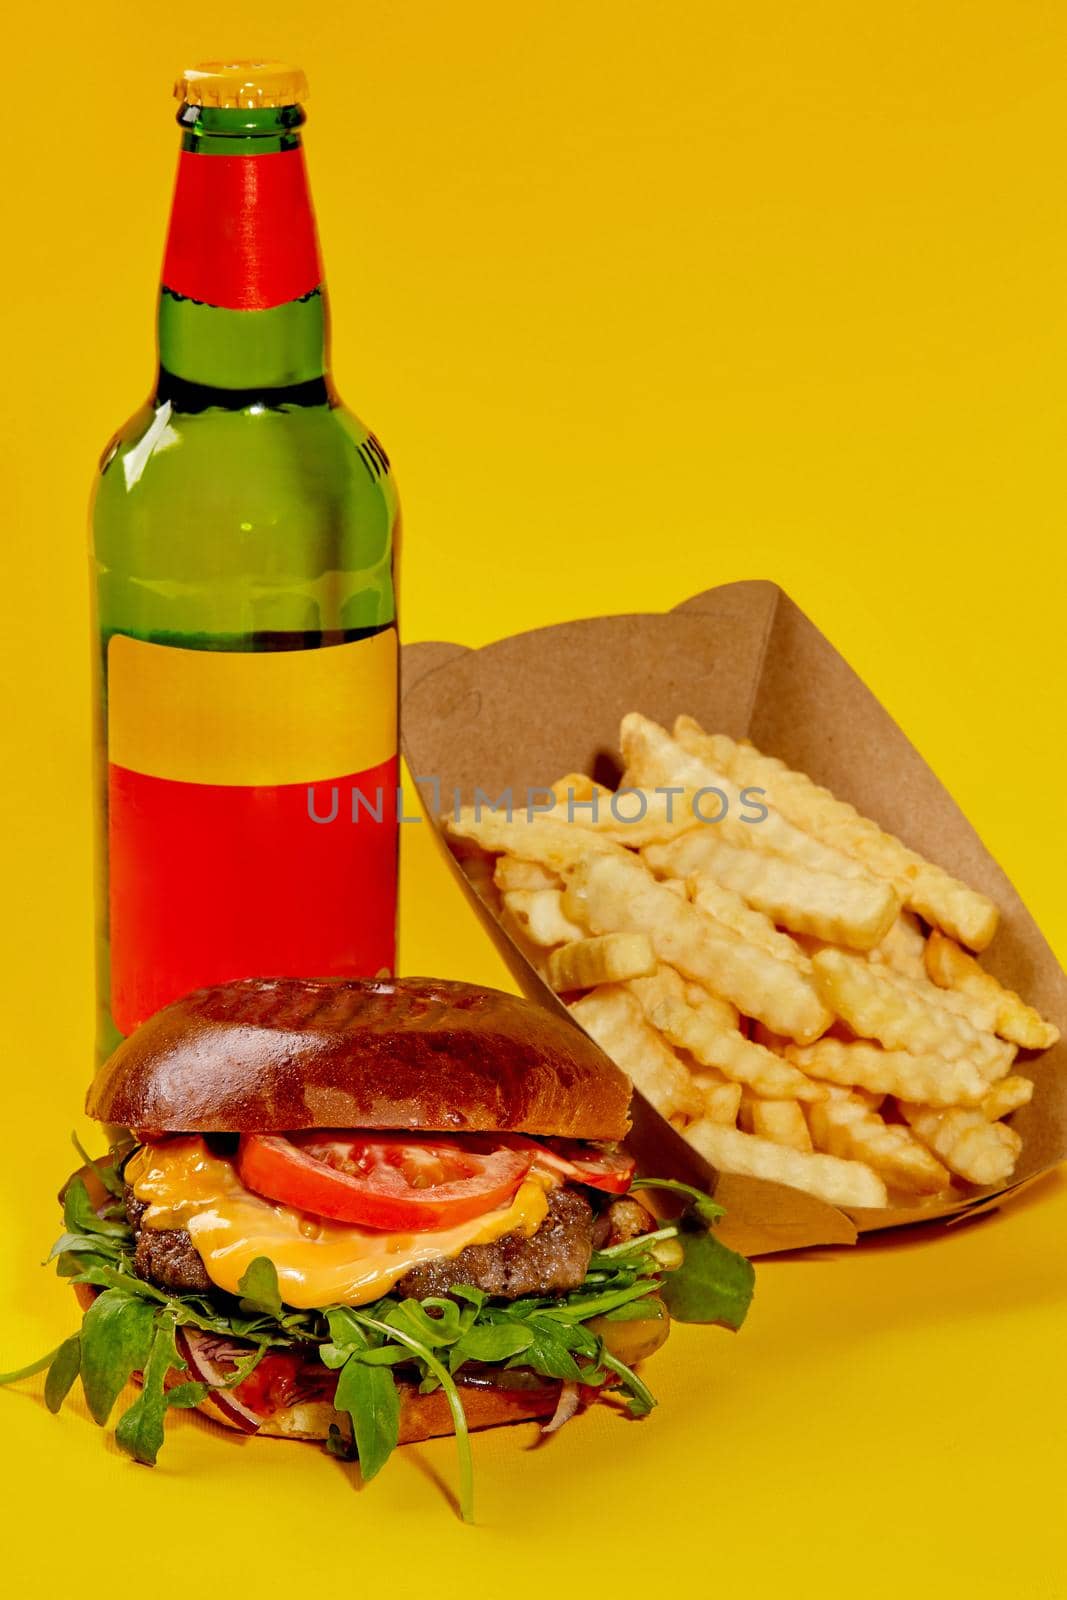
[926, 888]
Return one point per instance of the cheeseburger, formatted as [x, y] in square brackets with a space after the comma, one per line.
[367, 1213]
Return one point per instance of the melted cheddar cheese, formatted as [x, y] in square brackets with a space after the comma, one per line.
[318, 1263]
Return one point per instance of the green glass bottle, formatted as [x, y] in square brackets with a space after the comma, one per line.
[244, 529]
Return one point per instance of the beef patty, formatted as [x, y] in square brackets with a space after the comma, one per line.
[553, 1259]
[165, 1256]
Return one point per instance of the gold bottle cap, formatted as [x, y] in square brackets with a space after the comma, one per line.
[241, 85]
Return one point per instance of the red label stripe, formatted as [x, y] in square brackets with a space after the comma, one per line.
[211, 882]
[242, 233]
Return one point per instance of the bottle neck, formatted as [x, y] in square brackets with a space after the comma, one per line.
[242, 305]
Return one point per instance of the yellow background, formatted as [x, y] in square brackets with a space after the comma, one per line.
[641, 298]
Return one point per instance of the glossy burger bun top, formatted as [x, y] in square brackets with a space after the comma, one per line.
[267, 1055]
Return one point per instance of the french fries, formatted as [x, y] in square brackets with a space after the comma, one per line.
[539, 913]
[1009, 1095]
[577, 789]
[845, 1126]
[769, 982]
[842, 1183]
[545, 841]
[611, 958]
[667, 984]
[937, 897]
[981, 1151]
[510, 873]
[722, 1099]
[704, 1000]
[979, 1010]
[903, 948]
[632, 816]
[727, 1050]
[728, 908]
[878, 1006]
[780, 1120]
[655, 760]
[615, 1020]
[957, 972]
[479, 874]
[855, 911]
[923, 1079]
[618, 894]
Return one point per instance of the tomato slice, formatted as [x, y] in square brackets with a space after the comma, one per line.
[280, 1380]
[596, 1167]
[395, 1181]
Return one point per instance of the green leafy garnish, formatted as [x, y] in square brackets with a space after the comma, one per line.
[369, 1394]
[107, 1172]
[428, 1359]
[641, 1399]
[714, 1283]
[259, 1289]
[702, 1204]
[81, 1217]
[62, 1371]
[132, 1327]
[492, 1341]
[117, 1333]
[140, 1429]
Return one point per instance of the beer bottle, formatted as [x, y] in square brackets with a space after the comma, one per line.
[244, 527]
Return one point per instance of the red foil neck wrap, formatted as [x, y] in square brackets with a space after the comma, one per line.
[242, 233]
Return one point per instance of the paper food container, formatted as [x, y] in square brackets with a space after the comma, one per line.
[744, 660]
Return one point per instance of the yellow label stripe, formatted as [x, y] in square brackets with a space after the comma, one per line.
[252, 717]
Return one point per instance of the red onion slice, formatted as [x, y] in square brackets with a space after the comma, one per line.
[205, 1352]
[566, 1406]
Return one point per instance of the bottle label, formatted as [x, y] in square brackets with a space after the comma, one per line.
[252, 819]
[242, 233]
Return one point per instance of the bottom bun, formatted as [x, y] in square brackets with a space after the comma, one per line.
[422, 1416]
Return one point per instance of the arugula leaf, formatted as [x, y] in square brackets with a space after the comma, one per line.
[106, 1171]
[140, 1428]
[334, 1355]
[455, 1406]
[410, 1316]
[580, 1310]
[78, 1244]
[551, 1353]
[186, 1396]
[66, 1364]
[370, 1397]
[105, 1276]
[640, 1399]
[258, 1288]
[491, 1342]
[467, 1291]
[632, 1311]
[116, 1341]
[446, 1317]
[70, 1266]
[80, 1215]
[345, 1327]
[613, 1256]
[383, 1355]
[705, 1207]
[713, 1284]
